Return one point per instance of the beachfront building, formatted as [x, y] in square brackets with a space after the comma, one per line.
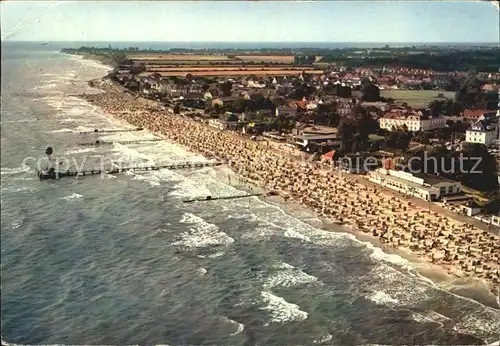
[483, 131]
[411, 120]
[224, 124]
[495, 220]
[425, 186]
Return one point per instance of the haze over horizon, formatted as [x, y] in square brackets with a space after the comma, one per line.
[242, 21]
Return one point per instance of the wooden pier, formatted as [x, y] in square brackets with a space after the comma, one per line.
[97, 143]
[211, 198]
[175, 166]
[110, 131]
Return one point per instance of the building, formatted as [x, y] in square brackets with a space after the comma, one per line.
[286, 110]
[473, 115]
[412, 121]
[483, 131]
[224, 124]
[308, 141]
[383, 106]
[471, 208]
[495, 220]
[425, 186]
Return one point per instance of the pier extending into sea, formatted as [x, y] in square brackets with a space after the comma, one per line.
[53, 174]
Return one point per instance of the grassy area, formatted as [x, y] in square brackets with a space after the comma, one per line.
[478, 196]
[416, 98]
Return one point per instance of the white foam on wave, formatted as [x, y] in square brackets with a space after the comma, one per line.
[323, 339]
[46, 86]
[80, 151]
[290, 233]
[72, 197]
[216, 254]
[289, 276]
[481, 321]
[239, 326]
[90, 63]
[16, 170]
[259, 233]
[383, 298]
[280, 310]
[201, 234]
[201, 271]
[379, 254]
[15, 189]
[65, 130]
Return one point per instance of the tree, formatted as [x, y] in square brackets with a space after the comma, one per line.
[226, 88]
[371, 93]
[482, 177]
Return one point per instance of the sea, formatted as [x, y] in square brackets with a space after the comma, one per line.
[123, 260]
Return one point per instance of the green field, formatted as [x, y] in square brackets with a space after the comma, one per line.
[416, 98]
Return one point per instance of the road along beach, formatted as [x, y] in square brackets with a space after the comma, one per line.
[460, 248]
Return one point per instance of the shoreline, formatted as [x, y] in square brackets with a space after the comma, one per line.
[114, 102]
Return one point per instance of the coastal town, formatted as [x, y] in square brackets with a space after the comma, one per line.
[405, 154]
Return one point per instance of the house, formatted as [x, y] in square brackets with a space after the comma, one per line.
[425, 186]
[303, 129]
[470, 208]
[383, 106]
[224, 124]
[483, 131]
[413, 121]
[307, 141]
[495, 220]
[287, 110]
[473, 115]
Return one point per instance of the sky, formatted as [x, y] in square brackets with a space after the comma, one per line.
[250, 21]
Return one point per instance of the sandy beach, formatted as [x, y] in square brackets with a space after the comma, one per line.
[462, 250]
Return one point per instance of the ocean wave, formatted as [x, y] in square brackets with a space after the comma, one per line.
[280, 310]
[261, 232]
[382, 298]
[31, 120]
[201, 234]
[47, 86]
[289, 276]
[72, 197]
[290, 233]
[216, 254]
[65, 130]
[15, 189]
[90, 63]
[239, 326]
[80, 151]
[323, 339]
[17, 170]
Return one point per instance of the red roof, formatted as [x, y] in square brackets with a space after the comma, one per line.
[329, 155]
[301, 104]
[474, 113]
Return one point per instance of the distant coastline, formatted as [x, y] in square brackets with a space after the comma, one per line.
[254, 45]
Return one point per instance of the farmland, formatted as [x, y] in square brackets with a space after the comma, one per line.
[217, 68]
[188, 57]
[416, 98]
[233, 72]
[283, 59]
[218, 65]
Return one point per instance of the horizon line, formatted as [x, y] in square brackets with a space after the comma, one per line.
[266, 42]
